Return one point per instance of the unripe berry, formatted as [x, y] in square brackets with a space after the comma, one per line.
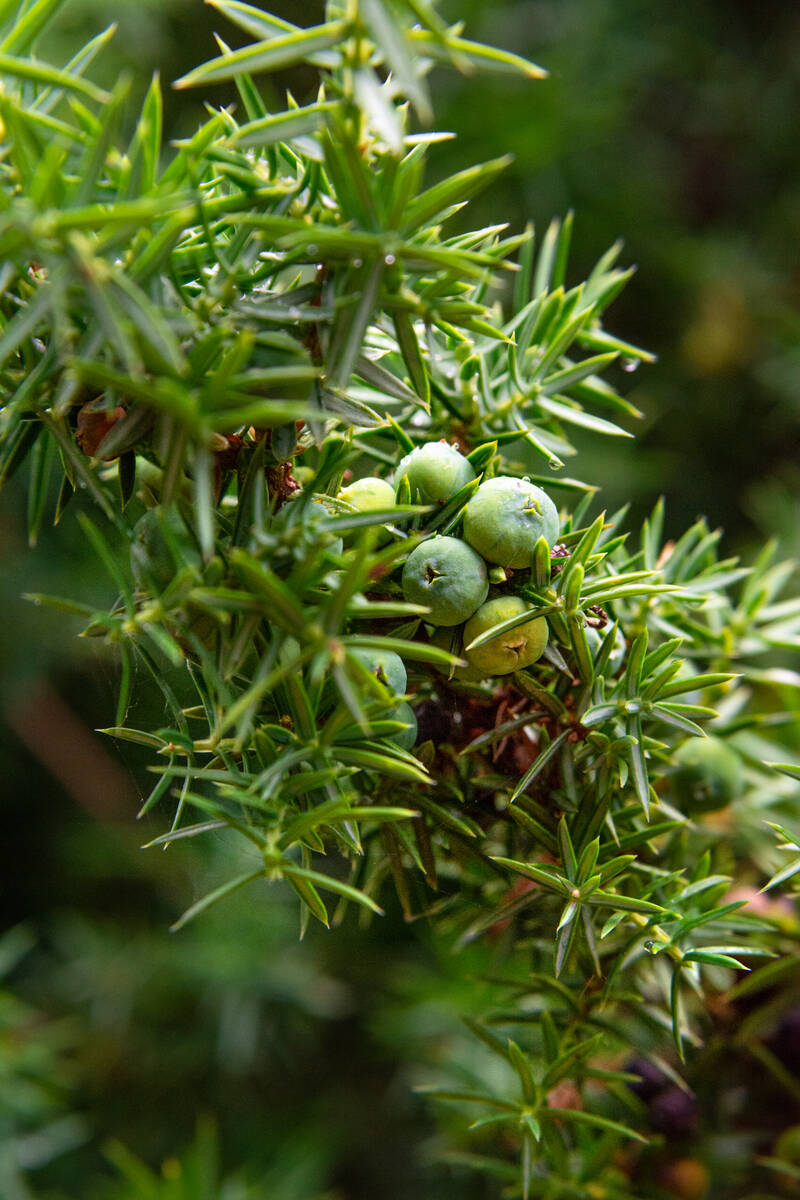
[505, 519]
[436, 470]
[708, 775]
[443, 638]
[385, 665]
[406, 738]
[449, 577]
[370, 495]
[152, 561]
[508, 651]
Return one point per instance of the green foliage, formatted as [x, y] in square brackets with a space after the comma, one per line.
[36, 1080]
[225, 333]
[197, 1174]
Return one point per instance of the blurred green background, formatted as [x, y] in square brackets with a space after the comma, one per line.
[672, 126]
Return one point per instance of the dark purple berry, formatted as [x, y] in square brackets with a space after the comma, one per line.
[674, 1112]
[652, 1078]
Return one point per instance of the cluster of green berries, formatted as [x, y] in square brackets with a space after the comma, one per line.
[502, 523]
[450, 576]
